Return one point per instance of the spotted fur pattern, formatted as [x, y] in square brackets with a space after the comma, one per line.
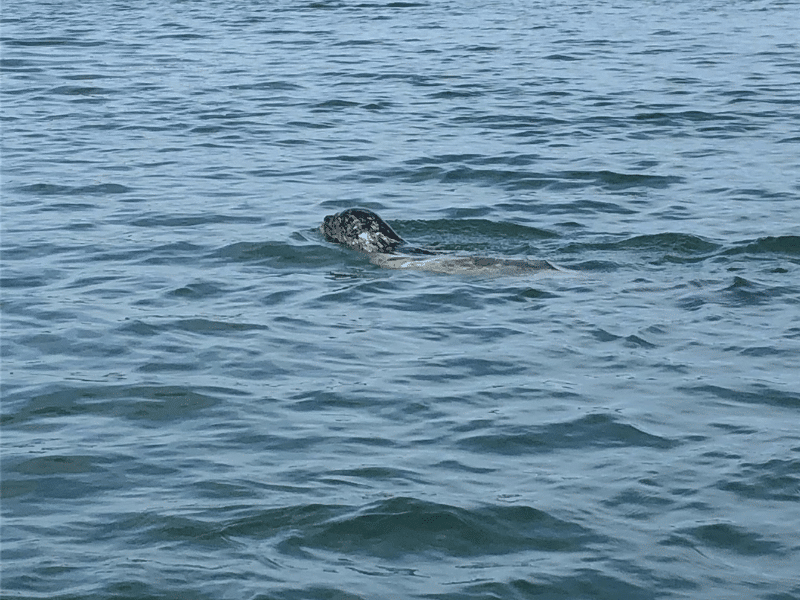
[361, 229]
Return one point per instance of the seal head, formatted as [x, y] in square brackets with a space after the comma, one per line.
[361, 229]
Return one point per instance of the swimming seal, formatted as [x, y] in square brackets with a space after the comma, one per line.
[363, 230]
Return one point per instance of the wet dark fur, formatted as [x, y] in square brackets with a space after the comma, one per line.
[361, 229]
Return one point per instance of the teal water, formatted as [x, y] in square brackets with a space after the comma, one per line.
[201, 398]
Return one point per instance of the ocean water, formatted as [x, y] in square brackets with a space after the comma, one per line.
[204, 399]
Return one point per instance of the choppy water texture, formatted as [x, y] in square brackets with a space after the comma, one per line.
[202, 398]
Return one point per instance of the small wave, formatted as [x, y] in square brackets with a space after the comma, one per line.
[597, 430]
[632, 340]
[76, 90]
[49, 189]
[310, 125]
[590, 207]
[450, 94]
[759, 394]
[54, 41]
[19, 65]
[775, 479]
[164, 254]
[614, 180]
[743, 292]
[154, 402]
[206, 326]
[668, 246]
[24, 281]
[680, 243]
[180, 36]
[402, 526]
[148, 527]
[161, 220]
[561, 57]
[784, 244]
[517, 179]
[673, 118]
[354, 158]
[333, 105]
[470, 228]
[583, 583]
[724, 536]
[279, 254]
[56, 476]
[272, 85]
[510, 121]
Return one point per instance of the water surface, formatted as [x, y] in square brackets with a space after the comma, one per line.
[202, 398]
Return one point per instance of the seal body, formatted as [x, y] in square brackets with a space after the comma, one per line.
[464, 265]
[363, 230]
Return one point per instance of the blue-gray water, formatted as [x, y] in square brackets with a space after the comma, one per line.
[204, 399]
